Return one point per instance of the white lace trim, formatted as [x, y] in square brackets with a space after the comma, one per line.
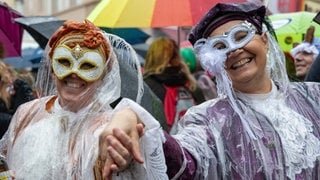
[301, 147]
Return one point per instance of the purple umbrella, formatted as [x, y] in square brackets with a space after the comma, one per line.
[10, 32]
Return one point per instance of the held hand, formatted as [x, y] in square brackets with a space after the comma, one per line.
[119, 144]
[122, 149]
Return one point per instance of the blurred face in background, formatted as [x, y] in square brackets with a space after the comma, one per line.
[302, 63]
[6, 83]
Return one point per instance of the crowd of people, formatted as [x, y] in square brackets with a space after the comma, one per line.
[238, 116]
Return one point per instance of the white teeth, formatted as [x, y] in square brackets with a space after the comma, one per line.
[240, 63]
[73, 85]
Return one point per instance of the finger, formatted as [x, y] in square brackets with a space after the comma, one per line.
[140, 129]
[131, 145]
[103, 145]
[123, 138]
[106, 161]
[136, 146]
[117, 158]
[118, 147]
[107, 170]
[115, 168]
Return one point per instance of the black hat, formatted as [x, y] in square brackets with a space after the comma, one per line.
[222, 13]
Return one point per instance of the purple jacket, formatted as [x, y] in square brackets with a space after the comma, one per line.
[213, 144]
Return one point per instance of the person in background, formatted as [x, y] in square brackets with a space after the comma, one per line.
[261, 125]
[304, 54]
[205, 82]
[29, 78]
[64, 133]
[170, 79]
[13, 92]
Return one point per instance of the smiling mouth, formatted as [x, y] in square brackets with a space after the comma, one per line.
[241, 63]
[74, 84]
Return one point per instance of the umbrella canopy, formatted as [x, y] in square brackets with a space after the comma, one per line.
[41, 29]
[291, 28]
[10, 32]
[150, 13]
[131, 35]
[30, 59]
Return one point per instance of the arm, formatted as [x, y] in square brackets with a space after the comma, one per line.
[126, 135]
[179, 161]
[190, 153]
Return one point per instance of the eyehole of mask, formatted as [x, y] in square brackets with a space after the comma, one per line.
[87, 66]
[240, 35]
[219, 45]
[65, 62]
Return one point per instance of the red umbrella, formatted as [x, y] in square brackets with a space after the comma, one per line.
[10, 32]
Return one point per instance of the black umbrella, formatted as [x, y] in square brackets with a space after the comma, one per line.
[131, 35]
[40, 28]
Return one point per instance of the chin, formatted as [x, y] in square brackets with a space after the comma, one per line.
[72, 99]
[244, 77]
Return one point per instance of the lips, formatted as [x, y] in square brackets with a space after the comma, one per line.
[74, 84]
[241, 63]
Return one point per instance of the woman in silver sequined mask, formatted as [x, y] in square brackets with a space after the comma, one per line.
[260, 126]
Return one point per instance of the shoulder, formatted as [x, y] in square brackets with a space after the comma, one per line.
[309, 90]
[203, 108]
[36, 103]
[306, 86]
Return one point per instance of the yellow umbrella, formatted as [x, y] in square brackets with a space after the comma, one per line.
[107, 12]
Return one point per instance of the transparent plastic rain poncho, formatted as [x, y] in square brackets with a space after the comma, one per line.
[47, 141]
[254, 136]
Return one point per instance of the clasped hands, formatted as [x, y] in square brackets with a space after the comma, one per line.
[119, 144]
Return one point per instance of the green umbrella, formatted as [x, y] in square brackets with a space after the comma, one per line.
[291, 28]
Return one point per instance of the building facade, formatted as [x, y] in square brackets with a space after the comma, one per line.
[62, 9]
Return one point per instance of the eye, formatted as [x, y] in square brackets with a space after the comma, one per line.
[87, 66]
[64, 62]
[219, 45]
[239, 36]
[305, 53]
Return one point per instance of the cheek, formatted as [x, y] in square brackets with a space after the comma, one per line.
[309, 60]
[58, 83]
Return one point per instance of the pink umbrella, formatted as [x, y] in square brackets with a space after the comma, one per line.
[10, 32]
